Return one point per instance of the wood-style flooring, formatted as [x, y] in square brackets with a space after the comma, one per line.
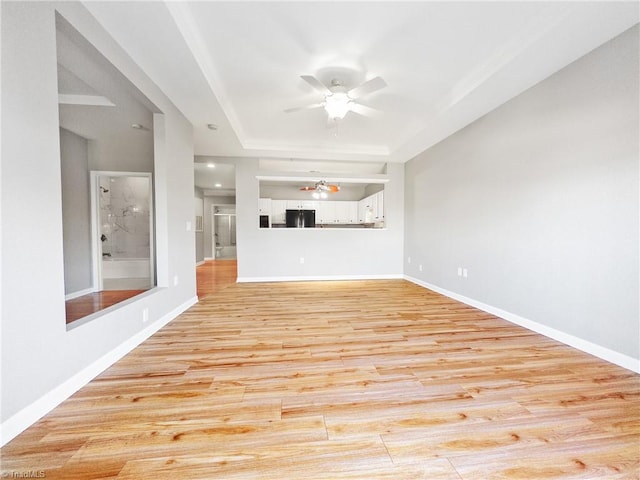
[214, 275]
[94, 302]
[342, 380]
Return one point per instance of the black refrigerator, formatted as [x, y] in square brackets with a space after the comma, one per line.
[301, 218]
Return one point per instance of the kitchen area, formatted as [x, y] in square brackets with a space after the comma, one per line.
[343, 224]
[277, 211]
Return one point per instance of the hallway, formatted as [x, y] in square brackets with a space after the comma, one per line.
[215, 275]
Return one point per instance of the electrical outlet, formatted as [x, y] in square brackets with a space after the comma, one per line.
[301, 259]
[408, 259]
[145, 315]
[464, 272]
[420, 267]
[459, 271]
[175, 280]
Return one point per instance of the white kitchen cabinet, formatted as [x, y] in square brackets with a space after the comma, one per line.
[362, 210]
[338, 212]
[278, 211]
[264, 206]
[302, 204]
[379, 213]
[371, 208]
[367, 209]
[346, 212]
[326, 213]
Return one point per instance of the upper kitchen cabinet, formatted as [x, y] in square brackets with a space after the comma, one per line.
[264, 206]
[302, 205]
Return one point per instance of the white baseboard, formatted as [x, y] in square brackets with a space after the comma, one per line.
[314, 278]
[581, 344]
[79, 293]
[209, 258]
[200, 263]
[26, 417]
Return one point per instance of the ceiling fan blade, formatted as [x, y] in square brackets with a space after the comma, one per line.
[333, 188]
[364, 110]
[306, 107]
[307, 189]
[316, 84]
[367, 87]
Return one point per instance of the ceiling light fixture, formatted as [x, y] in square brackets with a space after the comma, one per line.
[321, 189]
[218, 185]
[212, 126]
[318, 195]
[337, 100]
[211, 165]
[337, 105]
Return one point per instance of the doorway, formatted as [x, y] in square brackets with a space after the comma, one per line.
[223, 221]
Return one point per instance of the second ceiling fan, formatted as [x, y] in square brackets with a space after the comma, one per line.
[321, 189]
[338, 101]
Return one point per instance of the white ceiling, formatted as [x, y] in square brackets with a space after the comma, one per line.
[84, 76]
[238, 65]
[215, 177]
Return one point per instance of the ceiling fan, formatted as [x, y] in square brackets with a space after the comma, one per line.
[321, 189]
[338, 101]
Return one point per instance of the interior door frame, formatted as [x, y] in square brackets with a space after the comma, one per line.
[213, 223]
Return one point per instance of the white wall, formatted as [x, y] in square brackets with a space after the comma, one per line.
[539, 201]
[198, 209]
[274, 254]
[76, 214]
[43, 361]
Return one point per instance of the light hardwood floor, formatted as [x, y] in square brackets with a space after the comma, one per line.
[80, 307]
[214, 275]
[342, 380]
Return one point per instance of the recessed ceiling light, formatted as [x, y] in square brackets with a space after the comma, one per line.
[212, 126]
[137, 126]
[211, 165]
[218, 185]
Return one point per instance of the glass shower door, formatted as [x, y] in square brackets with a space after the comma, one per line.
[224, 234]
[124, 257]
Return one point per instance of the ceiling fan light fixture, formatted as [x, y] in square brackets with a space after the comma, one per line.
[337, 105]
[321, 189]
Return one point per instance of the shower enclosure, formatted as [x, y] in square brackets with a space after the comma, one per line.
[122, 231]
[224, 231]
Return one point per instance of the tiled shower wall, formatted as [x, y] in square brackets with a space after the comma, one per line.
[124, 216]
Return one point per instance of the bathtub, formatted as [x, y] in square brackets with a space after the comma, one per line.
[126, 268]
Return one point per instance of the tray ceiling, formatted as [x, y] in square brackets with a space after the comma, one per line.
[238, 65]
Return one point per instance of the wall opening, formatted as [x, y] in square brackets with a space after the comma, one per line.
[107, 126]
